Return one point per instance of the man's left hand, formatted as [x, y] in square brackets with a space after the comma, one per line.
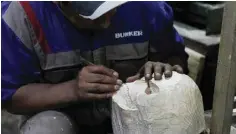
[158, 69]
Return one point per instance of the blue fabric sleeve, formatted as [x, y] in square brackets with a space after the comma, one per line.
[20, 65]
[163, 34]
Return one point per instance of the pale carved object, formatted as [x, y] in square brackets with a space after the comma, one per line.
[174, 107]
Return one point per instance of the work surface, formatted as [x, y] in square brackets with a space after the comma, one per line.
[9, 123]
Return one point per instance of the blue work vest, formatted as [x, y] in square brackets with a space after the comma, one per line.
[39, 42]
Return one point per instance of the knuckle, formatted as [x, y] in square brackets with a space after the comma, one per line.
[149, 64]
[101, 78]
[157, 68]
[168, 66]
[100, 67]
[104, 69]
[111, 71]
[177, 66]
[158, 65]
[86, 68]
[83, 71]
[93, 68]
[110, 87]
[105, 86]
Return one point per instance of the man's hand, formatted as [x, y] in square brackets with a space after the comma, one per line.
[97, 82]
[157, 68]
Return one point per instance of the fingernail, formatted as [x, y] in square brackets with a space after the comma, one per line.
[119, 82]
[147, 75]
[117, 87]
[115, 74]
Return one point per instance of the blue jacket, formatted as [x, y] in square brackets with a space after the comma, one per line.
[36, 37]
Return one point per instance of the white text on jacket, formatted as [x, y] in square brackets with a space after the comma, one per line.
[128, 34]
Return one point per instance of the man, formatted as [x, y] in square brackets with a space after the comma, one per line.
[44, 44]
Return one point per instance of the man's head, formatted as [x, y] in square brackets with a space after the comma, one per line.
[92, 13]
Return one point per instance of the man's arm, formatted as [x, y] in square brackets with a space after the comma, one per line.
[20, 68]
[38, 97]
[178, 56]
[22, 94]
[21, 91]
[166, 44]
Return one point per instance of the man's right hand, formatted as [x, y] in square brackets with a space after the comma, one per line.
[97, 82]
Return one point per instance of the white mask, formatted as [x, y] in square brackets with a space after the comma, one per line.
[175, 107]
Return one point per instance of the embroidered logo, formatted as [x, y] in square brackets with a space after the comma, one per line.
[128, 34]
